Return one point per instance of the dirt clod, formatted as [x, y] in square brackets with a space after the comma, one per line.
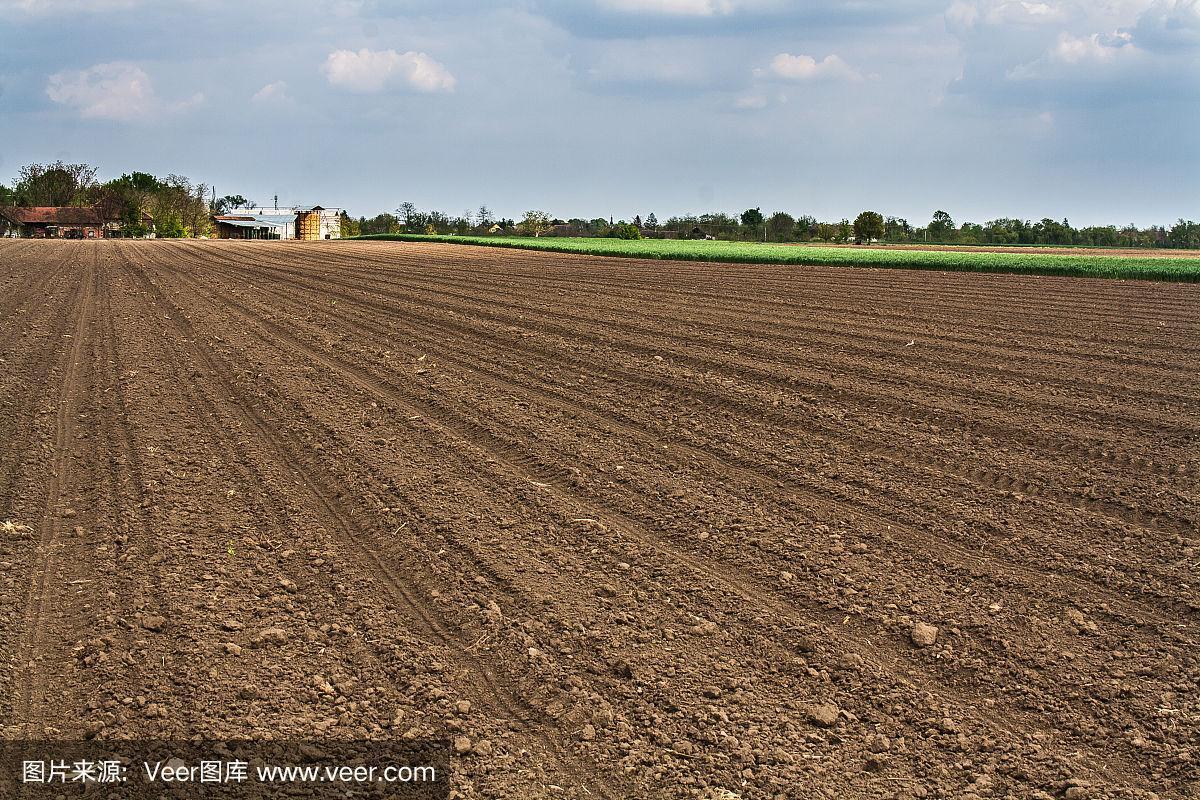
[824, 715]
[923, 634]
[270, 637]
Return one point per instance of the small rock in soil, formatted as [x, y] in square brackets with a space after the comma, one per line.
[1082, 623]
[270, 636]
[923, 634]
[824, 715]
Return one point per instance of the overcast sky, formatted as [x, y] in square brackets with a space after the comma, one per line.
[985, 108]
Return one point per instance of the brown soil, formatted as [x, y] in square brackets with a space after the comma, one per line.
[671, 530]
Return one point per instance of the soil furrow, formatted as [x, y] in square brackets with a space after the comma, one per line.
[612, 527]
[513, 454]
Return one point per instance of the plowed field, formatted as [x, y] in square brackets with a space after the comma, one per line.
[624, 529]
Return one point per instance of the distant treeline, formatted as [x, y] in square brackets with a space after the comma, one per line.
[176, 207]
[753, 225]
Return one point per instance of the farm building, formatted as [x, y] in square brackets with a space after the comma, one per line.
[303, 222]
[60, 222]
[255, 226]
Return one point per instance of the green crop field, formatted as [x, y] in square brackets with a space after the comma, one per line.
[1095, 266]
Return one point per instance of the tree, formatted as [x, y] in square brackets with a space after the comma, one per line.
[941, 229]
[826, 231]
[1184, 233]
[897, 229]
[407, 213]
[806, 228]
[535, 223]
[651, 221]
[970, 233]
[349, 225]
[484, 217]
[868, 227]
[844, 231]
[230, 202]
[170, 226]
[130, 196]
[752, 217]
[781, 227]
[175, 198]
[624, 230]
[380, 223]
[437, 222]
[57, 184]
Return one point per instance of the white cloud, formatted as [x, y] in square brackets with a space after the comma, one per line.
[1079, 49]
[1028, 13]
[1170, 26]
[115, 90]
[807, 68]
[962, 16]
[272, 93]
[965, 14]
[1048, 53]
[368, 71]
[1075, 51]
[679, 8]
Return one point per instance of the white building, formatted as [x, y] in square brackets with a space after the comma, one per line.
[330, 218]
[280, 223]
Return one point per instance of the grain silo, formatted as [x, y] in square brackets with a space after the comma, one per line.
[308, 223]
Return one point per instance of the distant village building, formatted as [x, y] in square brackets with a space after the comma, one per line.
[61, 222]
[302, 222]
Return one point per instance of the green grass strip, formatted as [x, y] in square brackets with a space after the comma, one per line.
[1091, 266]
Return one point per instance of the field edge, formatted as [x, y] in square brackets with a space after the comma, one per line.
[1124, 268]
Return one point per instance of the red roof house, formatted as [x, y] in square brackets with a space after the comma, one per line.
[58, 222]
